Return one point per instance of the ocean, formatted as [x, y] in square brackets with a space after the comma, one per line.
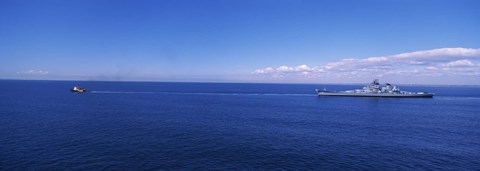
[233, 126]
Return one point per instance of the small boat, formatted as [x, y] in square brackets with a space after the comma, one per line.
[78, 89]
[374, 89]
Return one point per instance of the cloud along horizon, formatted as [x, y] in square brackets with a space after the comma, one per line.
[33, 72]
[436, 66]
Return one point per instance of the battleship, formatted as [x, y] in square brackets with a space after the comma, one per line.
[374, 89]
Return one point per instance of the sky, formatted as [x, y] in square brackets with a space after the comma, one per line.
[271, 41]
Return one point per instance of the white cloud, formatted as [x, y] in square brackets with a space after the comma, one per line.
[376, 59]
[303, 68]
[264, 71]
[299, 70]
[459, 63]
[428, 63]
[33, 72]
[284, 69]
[442, 52]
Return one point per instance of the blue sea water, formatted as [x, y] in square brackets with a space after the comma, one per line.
[223, 126]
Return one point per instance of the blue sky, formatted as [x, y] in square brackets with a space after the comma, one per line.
[239, 40]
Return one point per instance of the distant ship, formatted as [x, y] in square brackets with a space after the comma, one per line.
[78, 89]
[374, 89]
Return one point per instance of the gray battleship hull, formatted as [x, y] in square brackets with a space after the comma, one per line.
[423, 95]
[374, 89]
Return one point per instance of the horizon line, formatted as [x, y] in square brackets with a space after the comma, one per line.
[230, 82]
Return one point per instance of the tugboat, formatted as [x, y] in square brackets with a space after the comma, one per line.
[78, 89]
[374, 89]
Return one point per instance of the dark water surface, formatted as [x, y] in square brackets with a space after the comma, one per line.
[197, 126]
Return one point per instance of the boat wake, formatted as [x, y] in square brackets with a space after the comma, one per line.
[203, 93]
[448, 98]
